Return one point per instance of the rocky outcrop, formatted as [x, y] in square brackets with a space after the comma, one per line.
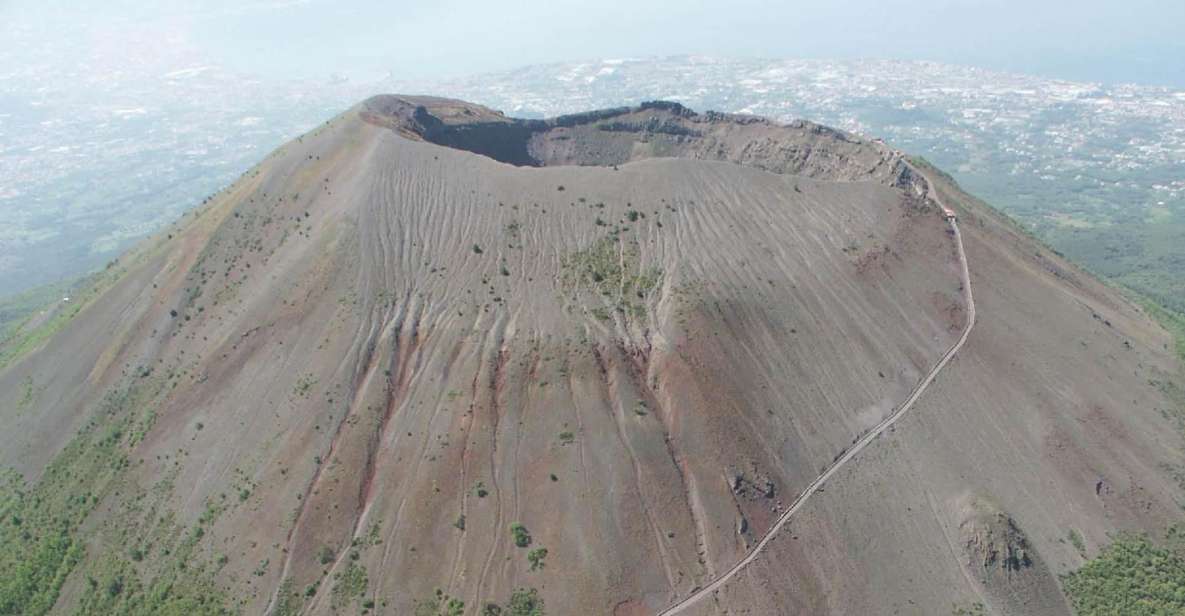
[998, 556]
[992, 541]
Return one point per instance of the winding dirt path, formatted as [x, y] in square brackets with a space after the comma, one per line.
[686, 602]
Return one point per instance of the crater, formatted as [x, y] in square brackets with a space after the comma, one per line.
[531, 143]
[656, 129]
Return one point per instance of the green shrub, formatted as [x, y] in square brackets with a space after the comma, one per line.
[975, 609]
[536, 557]
[522, 538]
[440, 604]
[349, 584]
[524, 602]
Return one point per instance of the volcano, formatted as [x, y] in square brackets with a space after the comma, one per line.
[430, 359]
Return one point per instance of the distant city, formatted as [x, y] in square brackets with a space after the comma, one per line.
[92, 161]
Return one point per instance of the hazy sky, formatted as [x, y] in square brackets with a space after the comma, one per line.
[1097, 40]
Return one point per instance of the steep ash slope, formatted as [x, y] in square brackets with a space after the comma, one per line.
[1056, 421]
[635, 333]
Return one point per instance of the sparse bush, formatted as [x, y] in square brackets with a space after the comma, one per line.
[349, 584]
[524, 602]
[536, 557]
[440, 604]
[325, 556]
[975, 609]
[567, 438]
[1076, 541]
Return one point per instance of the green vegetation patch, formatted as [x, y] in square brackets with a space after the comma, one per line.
[611, 269]
[1142, 256]
[610, 266]
[1174, 412]
[288, 601]
[349, 585]
[39, 546]
[20, 340]
[1131, 576]
[142, 562]
[178, 585]
[15, 309]
[1173, 321]
[20, 337]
